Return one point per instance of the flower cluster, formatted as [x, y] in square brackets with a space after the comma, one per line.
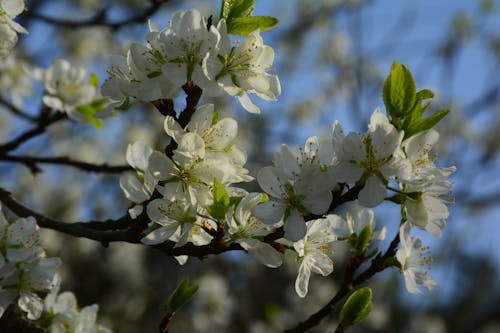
[24, 270]
[192, 51]
[62, 315]
[205, 155]
[9, 29]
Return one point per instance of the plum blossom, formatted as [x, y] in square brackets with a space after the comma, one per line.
[426, 208]
[139, 188]
[297, 185]
[245, 229]
[315, 251]
[62, 315]
[9, 29]
[24, 270]
[412, 257]
[243, 69]
[66, 88]
[175, 218]
[376, 156]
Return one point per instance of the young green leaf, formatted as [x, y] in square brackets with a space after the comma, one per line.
[399, 92]
[424, 124]
[181, 295]
[222, 202]
[245, 25]
[242, 8]
[357, 307]
[236, 8]
[363, 239]
[88, 111]
[94, 80]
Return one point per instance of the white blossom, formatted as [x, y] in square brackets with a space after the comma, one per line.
[66, 88]
[62, 315]
[315, 251]
[9, 29]
[426, 208]
[296, 185]
[376, 156]
[24, 270]
[413, 259]
[245, 229]
[243, 69]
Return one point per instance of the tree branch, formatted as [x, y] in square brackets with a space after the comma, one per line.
[124, 229]
[18, 112]
[33, 161]
[43, 123]
[100, 18]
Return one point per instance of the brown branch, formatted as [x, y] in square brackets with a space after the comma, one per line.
[33, 161]
[35, 131]
[124, 229]
[378, 264]
[100, 18]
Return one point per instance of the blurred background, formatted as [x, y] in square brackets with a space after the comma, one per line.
[332, 57]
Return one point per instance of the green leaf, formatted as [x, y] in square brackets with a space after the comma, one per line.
[242, 8]
[181, 295]
[88, 111]
[399, 92]
[231, 9]
[424, 124]
[245, 25]
[425, 94]
[357, 307]
[94, 80]
[222, 202]
[363, 239]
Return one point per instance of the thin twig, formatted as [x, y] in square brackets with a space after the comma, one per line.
[100, 18]
[35, 131]
[18, 112]
[33, 161]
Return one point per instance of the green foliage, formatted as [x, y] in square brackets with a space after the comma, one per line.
[237, 14]
[89, 110]
[245, 25]
[181, 295]
[363, 239]
[399, 91]
[94, 80]
[357, 307]
[404, 104]
[422, 124]
[222, 202]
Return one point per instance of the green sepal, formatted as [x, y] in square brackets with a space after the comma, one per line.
[397, 198]
[391, 261]
[245, 25]
[181, 295]
[424, 124]
[235, 201]
[125, 105]
[222, 202]
[154, 74]
[399, 92]
[94, 80]
[357, 307]
[363, 239]
[88, 111]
